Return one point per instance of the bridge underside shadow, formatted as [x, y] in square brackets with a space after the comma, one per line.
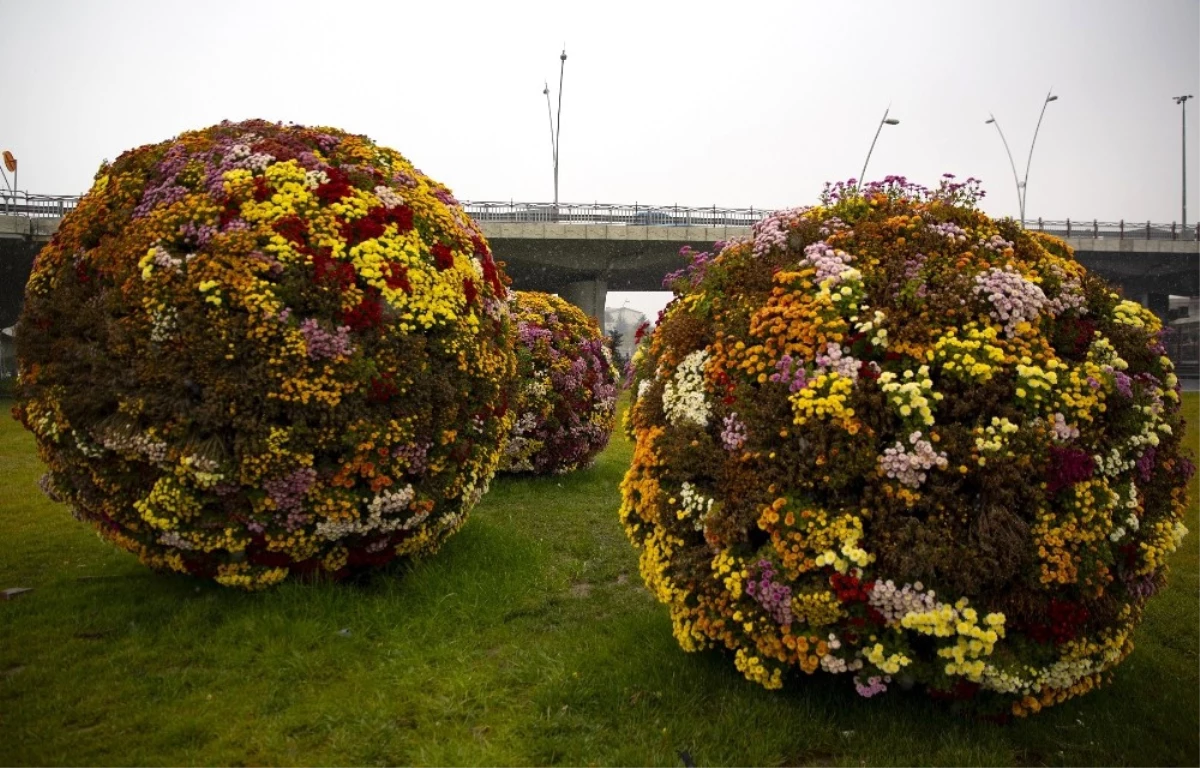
[582, 270]
[1141, 274]
[624, 265]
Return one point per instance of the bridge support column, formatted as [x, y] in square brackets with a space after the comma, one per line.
[1158, 303]
[588, 295]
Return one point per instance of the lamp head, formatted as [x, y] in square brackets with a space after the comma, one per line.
[989, 121]
[1051, 98]
[892, 121]
[1181, 99]
[563, 56]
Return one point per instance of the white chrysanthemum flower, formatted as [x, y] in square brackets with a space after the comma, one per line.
[683, 396]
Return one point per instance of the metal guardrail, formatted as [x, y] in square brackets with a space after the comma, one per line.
[613, 213]
[683, 216]
[1116, 230]
[45, 206]
[36, 206]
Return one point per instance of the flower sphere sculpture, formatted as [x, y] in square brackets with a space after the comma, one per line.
[889, 438]
[567, 392]
[259, 349]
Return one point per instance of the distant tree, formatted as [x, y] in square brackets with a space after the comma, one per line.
[616, 338]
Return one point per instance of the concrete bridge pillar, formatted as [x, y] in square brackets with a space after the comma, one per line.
[588, 295]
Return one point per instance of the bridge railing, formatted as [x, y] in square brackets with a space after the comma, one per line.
[683, 216]
[638, 214]
[21, 203]
[1115, 230]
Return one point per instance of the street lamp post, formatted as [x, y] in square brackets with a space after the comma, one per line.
[1016, 179]
[555, 125]
[1023, 184]
[1182, 102]
[862, 177]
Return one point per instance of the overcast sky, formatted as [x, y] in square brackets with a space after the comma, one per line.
[736, 104]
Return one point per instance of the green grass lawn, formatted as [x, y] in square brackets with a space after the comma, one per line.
[527, 640]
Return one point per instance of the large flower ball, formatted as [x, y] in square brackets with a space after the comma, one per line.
[258, 349]
[891, 439]
[567, 391]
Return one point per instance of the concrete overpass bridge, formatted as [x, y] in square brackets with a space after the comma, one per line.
[583, 251]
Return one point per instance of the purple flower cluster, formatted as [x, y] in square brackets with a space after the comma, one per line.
[198, 234]
[1152, 387]
[1145, 464]
[1123, 383]
[167, 192]
[1013, 298]
[950, 231]
[529, 333]
[893, 603]
[276, 268]
[911, 468]
[1143, 587]
[288, 493]
[829, 262]
[1070, 297]
[572, 378]
[892, 186]
[996, 244]
[1160, 341]
[874, 685]
[322, 344]
[415, 455]
[835, 360]
[913, 265]
[831, 225]
[604, 392]
[164, 260]
[733, 432]
[794, 378]
[965, 193]
[772, 232]
[776, 599]
[1063, 432]
[697, 266]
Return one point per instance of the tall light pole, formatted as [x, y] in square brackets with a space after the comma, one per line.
[1023, 184]
[555, 125]
[1016, 179]
[862, 177]
[1182, 102]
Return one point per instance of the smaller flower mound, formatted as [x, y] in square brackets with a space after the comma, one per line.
[567, 396]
